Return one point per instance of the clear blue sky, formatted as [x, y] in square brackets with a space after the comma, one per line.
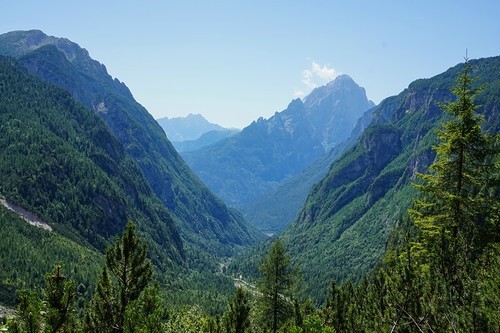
[235, 61]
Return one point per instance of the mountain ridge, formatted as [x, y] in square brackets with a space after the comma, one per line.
[342, 229]
[349, 214]
[190, 127]
[268, 151]
[206, 222]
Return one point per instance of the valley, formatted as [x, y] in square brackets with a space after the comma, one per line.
[334, 214]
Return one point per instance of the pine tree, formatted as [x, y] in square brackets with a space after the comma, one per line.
[60, 294]
[455, 211]
[147, 314]
[103, 308]
[130, 274]
[450, 213]
[29, 313]
[278, 278]
[237, 319]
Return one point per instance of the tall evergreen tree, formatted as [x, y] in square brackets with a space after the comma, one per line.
[278, 278]
[237, 319]
[103, 308]
[452, 209]
[455, 211]
[60, 295]
[131, 272]
[29, 313]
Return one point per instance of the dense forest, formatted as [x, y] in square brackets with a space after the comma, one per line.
[61, 162]
[440, 271]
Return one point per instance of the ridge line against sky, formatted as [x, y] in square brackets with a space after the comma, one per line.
[234, 62]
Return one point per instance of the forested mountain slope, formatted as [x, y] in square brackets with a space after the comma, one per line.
[267, 152]
[276, 210]
[342, 228]
[204, 221]
[60, 161]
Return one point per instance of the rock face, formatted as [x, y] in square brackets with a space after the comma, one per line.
[335, 108]
[269, 151]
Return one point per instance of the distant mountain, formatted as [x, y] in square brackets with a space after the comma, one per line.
[255, 161]
[343, 226]
[276, 210]
[204, 221]
[206, 139]
[187, 128]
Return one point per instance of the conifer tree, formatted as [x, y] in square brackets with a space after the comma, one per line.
[455, 212]
[278, 278]
[29, 313]
[60, 294]
[452, 210]
[103, 307]
[147, 314]
[237, 319]
[130, 274]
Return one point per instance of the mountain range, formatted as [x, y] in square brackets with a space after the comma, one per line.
[83, 157]
[65, 64]
[193, 132]
[190, 127]
[266, 153]
[342, 229]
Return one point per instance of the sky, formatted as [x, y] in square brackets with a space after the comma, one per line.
[236, 61]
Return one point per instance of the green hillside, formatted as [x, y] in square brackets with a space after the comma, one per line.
[60, 162]
[203, 220]
[342, 229]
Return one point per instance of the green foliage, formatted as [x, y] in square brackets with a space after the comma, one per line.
[440, 274]
[28, 252]
[274, 211]
[278, 279]
[188, 320]
[341, 232]
[30, 314]
[60, 296]
[454, 208]
[237, 319]
[195, 209]
[60, 162]
[103, 309]
[147, 314]
[131, 271]
[54, 313]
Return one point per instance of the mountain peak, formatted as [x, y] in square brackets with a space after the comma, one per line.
[22, 42]
[341, 83]
[341, 79]
[295, 103]
[190, 127]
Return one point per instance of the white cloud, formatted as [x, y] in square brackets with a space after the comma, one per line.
[314, 77]
[297, 93]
